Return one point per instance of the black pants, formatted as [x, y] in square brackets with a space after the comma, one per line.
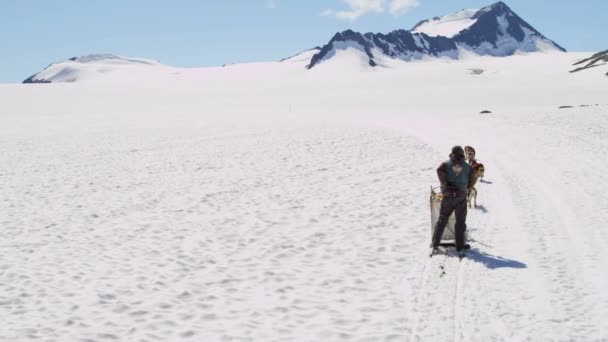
[449, 205]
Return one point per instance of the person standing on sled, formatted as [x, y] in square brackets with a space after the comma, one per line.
[456, 177]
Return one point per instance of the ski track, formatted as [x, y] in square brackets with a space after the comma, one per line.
[565, 245]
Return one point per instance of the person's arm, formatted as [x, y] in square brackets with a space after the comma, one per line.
[442, 175]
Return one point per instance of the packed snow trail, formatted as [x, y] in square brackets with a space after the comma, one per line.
[539, 229]
[561, 193]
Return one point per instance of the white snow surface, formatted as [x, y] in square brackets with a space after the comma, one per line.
[267, 202]
[448, 25]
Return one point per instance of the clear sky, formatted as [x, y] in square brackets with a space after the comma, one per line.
[196, 33]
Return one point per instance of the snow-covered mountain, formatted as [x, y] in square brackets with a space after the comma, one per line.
[93, 66]
[81, 68]
[494, 30]
[597, 60]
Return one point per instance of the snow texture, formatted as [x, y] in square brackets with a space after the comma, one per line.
[267, 202]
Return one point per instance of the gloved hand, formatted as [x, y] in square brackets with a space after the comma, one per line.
[449, 189]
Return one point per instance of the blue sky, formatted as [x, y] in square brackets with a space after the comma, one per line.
[191, 33]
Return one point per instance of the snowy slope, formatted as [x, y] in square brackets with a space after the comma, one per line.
[267, 202]
[86, 67]
[447, 26]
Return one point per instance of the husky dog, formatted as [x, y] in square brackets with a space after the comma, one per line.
[472, 198]
[479, 169]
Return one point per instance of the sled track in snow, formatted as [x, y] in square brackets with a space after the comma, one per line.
[454, 297]
[560, 202]
[536, 268]
[431, 295]
[458, 302]
[416, 299]
[441, 297]
[560, 257]
[470, 300]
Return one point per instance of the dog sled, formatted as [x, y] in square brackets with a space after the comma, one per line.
[449, 233]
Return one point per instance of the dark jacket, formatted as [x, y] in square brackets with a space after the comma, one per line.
[456, 176]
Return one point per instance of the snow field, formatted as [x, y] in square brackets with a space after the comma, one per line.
[203, 238]
[265, 202]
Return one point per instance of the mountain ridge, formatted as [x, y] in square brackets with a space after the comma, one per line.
[493, 30]
[598, 59]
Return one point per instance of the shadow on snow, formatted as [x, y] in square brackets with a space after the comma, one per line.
[493, 261]
[482, 208]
